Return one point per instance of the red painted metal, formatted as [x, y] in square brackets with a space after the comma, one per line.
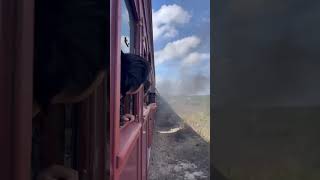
[114, 98]
[128, 139]
[16, 57]
[131, 143]
[131, 170]
[128, 153]
[144, 152]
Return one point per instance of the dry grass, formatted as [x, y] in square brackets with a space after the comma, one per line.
[195, 111]
[200, 122]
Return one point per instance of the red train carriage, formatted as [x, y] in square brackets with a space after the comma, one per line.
[130, 144]
[85, 135]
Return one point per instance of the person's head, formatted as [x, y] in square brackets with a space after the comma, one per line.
[134, 72]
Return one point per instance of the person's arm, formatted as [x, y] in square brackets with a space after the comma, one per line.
[58, 172]
[152, 106]
[148, 108]
[128, 117]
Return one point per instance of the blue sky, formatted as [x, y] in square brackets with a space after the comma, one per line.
[182, 46]
[181, 31]
[199, 23]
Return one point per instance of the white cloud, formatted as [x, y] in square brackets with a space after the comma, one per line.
[194, 58]
[166, 18]
[176, 49]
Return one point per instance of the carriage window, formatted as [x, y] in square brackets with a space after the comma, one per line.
[127, 46]
[127, 30]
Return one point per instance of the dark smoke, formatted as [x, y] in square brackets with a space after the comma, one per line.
[266, 52]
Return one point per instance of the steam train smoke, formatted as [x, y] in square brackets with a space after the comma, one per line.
[188, 83]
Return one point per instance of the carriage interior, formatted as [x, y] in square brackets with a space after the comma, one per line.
[75, 130]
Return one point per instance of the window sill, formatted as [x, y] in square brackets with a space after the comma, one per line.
[128, 138]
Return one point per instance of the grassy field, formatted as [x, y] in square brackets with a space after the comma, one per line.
[195, 111]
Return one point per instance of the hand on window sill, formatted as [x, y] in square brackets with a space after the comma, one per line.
[128, 117]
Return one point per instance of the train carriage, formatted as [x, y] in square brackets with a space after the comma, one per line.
[129, 157]
[85, 135]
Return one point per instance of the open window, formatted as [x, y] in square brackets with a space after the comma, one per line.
[126, 151]
[127, 103]
[127, 28]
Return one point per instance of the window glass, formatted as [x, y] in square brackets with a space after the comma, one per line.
[126, 28]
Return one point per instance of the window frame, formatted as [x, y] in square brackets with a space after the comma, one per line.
[132, 107]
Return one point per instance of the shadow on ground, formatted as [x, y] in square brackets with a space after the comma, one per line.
[178, 152]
